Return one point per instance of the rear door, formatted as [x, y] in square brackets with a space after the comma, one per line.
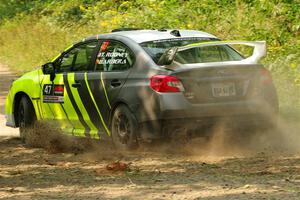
[111, 69]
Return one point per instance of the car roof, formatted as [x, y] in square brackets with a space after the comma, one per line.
[141, 36]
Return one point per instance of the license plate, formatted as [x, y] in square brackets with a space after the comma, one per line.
[223, 89]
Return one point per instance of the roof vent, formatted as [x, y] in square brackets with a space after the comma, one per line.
[124, 29]
[176, 33]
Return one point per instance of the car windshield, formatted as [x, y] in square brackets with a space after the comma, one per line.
[193, 55]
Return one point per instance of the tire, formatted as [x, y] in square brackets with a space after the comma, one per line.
[26, 118]
[124, 129]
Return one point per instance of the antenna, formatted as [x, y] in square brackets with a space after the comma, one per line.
[176, 33]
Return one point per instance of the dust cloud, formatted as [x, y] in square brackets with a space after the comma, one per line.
[45, 135]
[53, 140]
[282, 139]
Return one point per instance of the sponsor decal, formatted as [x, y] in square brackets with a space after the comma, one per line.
[53, 99]
[53, 93]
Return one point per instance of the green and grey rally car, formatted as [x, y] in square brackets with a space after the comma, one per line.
[135, 85]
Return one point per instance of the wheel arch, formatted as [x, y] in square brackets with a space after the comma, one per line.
[17, 98]
[114, 107]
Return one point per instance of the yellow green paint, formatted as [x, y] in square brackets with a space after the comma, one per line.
[93, 129]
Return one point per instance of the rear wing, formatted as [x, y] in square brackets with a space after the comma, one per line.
[260, 51]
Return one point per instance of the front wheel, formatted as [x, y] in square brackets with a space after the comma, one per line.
[26, 118]
[124, 129]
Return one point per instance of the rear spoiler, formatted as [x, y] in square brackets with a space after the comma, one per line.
[260, 51]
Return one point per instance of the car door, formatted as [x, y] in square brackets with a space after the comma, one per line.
[71, 112]
[55, 99]
[112, 66]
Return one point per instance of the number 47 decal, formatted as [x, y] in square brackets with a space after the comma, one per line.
[53, 93]
[47, 89]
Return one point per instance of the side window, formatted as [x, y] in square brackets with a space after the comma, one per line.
[114, 56]
[65, 63]
[83, 57]
[77, 59]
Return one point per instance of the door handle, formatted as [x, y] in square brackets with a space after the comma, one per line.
[76, 85]
[115, 83]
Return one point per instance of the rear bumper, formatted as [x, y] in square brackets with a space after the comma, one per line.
[174, 106]
[215, 110]
[167, 128]
[176, 113]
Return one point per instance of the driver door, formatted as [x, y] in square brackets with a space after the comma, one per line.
[61, 102]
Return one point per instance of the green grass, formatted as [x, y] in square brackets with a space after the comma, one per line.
[33, 33]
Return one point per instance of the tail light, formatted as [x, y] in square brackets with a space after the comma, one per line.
[165, 83]
[265, 76]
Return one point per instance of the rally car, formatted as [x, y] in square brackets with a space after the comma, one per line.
[136, 85]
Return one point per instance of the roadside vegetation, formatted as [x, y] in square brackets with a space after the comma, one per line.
[32, 32]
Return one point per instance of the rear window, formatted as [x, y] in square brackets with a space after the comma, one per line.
[194, 55]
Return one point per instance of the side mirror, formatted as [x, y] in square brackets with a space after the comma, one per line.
[168, 57]
[49, 68]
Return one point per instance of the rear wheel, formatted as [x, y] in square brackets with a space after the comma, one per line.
[124, 129]
[26, 118]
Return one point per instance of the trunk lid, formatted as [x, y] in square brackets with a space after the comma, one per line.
[215, 84]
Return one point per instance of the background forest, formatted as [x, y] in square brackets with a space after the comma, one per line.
[32, 32]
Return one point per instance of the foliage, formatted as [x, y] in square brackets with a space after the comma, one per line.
[32, 32]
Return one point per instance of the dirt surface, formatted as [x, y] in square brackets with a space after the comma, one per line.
[265, 166]
[6, 78]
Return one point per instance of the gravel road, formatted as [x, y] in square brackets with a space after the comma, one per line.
[264, 167]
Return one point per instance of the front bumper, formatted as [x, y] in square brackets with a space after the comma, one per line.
[10, 121]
